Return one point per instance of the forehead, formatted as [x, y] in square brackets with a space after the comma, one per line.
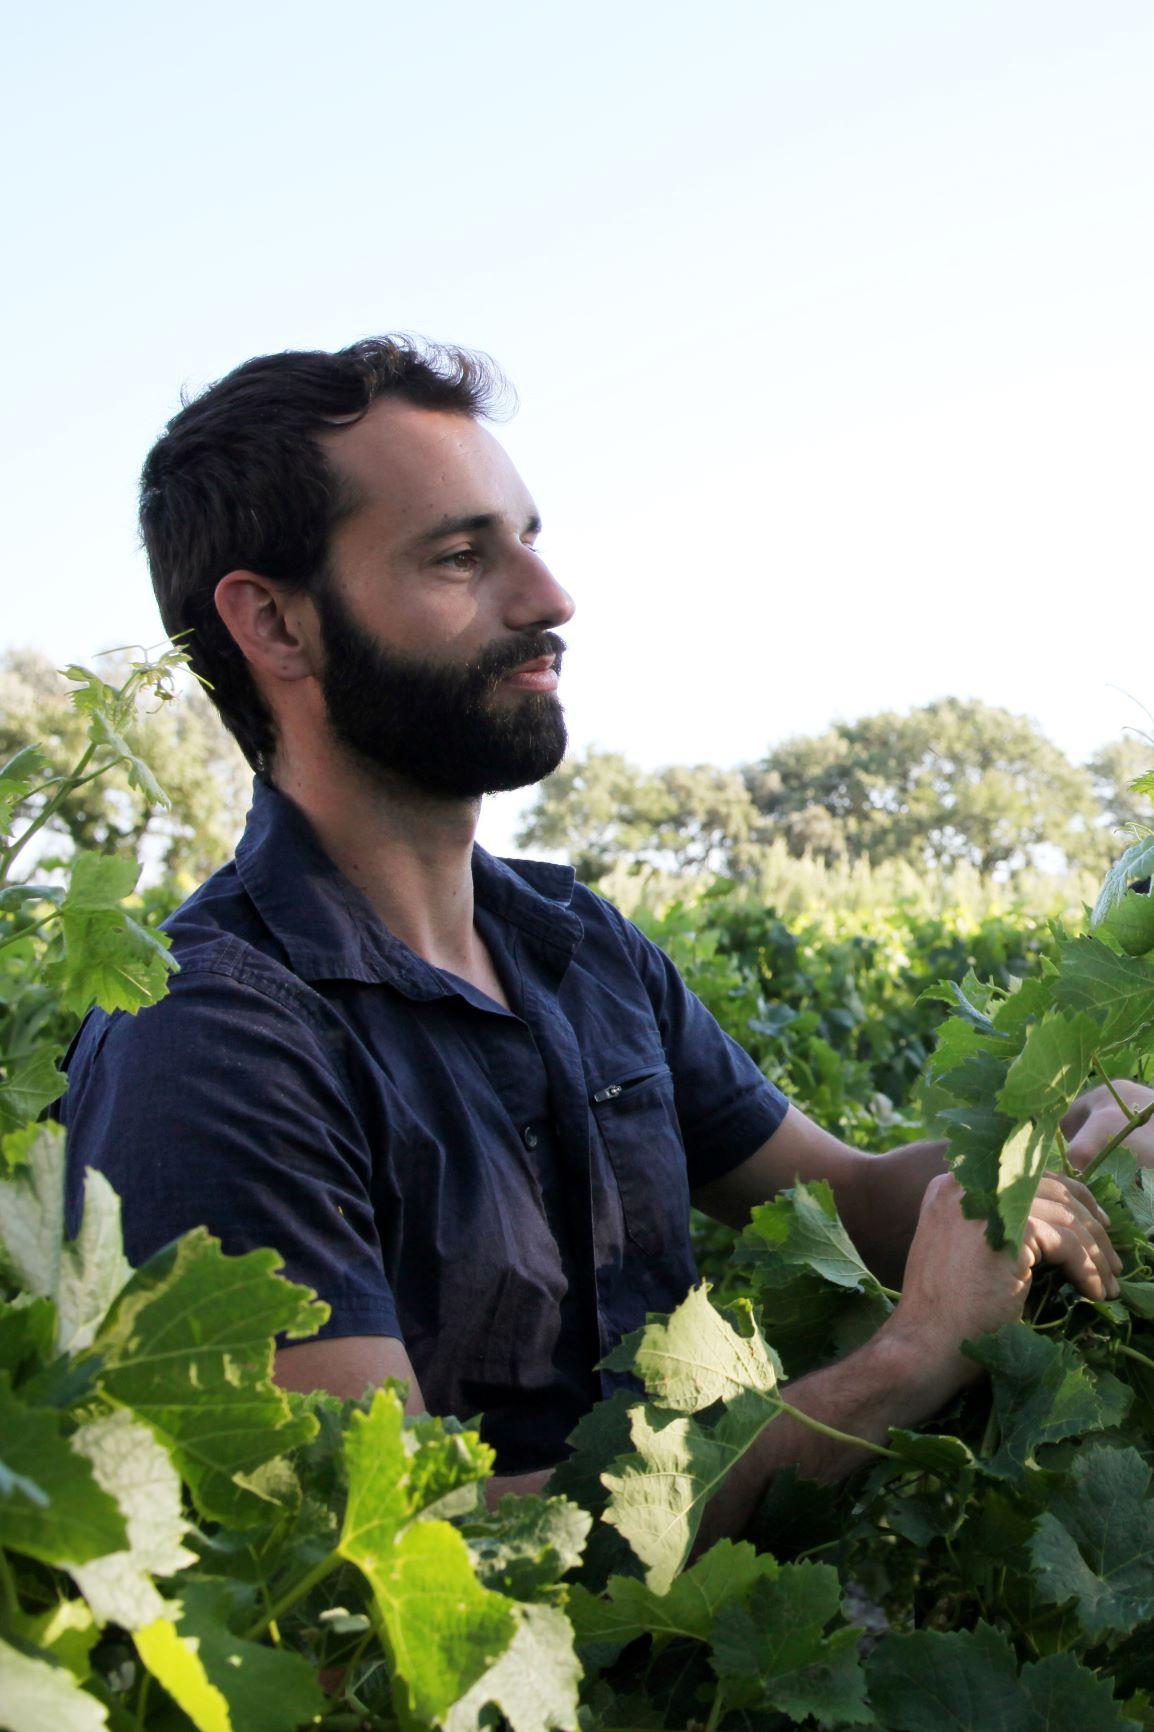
[406, 468]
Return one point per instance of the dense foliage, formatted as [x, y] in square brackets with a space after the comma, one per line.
[831, 1005]
[834, 1005]
[183, 1544]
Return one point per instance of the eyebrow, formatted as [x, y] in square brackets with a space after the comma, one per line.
[481, 520]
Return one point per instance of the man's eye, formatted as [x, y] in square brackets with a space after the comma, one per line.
[464, 559]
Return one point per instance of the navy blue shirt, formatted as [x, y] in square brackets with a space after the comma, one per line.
[505, 1191]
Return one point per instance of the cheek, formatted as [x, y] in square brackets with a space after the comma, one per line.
[438, 619]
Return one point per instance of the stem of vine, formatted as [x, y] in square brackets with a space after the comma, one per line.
[297, 1591]
[1133, 1353]
[717, 1709]
[841, 1436]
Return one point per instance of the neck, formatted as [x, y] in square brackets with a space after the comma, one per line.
[409, 852]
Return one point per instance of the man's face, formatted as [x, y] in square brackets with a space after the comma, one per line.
[436, 600]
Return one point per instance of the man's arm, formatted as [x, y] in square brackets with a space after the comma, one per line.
[348, 1365]
[878, 1196]
[956, 1289]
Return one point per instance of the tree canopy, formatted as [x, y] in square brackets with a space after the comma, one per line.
[599, 809]
[953, 780]
[950, 782]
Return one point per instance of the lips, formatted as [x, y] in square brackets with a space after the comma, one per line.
[540, 666]
[497, 667]
[539, 675]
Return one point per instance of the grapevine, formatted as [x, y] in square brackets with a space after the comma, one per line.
[183, 1544]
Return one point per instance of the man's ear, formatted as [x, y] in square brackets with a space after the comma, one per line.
[274, 627]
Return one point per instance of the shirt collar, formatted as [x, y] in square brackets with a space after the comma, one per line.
[330, 931]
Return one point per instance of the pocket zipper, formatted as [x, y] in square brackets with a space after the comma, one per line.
[618, 1088]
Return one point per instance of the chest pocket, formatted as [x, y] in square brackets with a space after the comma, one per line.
[637, 1119]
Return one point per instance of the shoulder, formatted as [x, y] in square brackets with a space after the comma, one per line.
[228, 1002]
[219, 920]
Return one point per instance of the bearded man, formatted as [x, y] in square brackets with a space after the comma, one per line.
[464, 1098]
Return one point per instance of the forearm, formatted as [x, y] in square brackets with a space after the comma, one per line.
[890, 1381]
[517, 1485]
[880, 1206]
[878, 1196]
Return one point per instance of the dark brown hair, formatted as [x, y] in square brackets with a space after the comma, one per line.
[239, 481]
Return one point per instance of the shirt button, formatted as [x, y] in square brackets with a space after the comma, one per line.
[529, 1137]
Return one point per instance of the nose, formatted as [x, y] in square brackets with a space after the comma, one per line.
[537, 602]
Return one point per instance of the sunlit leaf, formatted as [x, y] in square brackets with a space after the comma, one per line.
[35, 1696]
[188, 1346]
[129, 1464]
[222, 1682]
[534, 1683]
[443, 1629]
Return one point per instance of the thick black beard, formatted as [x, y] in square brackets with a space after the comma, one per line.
[435, 724]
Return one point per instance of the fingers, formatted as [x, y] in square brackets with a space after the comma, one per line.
[1062, 1189]
[1068, 1228]
[1079, 1111]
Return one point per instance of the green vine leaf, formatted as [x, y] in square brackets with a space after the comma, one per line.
[604, 1624]
[51, 1505]
[801, 1230]
[774, 1649]
[188, 1347]
[524, 1548]
[534, 1684]
[109, 958]
[443, 1629]
[222, 1682]
[30, 1085]
[694, 1357]
[1094, 1545]
[960, 1681]
[1050, 1069]
[21, 772]
[1117, 991]
[1135, 864]
[1044, 1392]
[690, 1361]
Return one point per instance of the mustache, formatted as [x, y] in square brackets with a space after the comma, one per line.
[490, 667]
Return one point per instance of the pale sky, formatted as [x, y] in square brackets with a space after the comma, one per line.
[831, 324]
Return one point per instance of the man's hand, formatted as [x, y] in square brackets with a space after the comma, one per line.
[957, 1288]
[1096, 1118]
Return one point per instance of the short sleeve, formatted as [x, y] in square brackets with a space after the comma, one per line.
[222, 1106]
[726, 1108]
